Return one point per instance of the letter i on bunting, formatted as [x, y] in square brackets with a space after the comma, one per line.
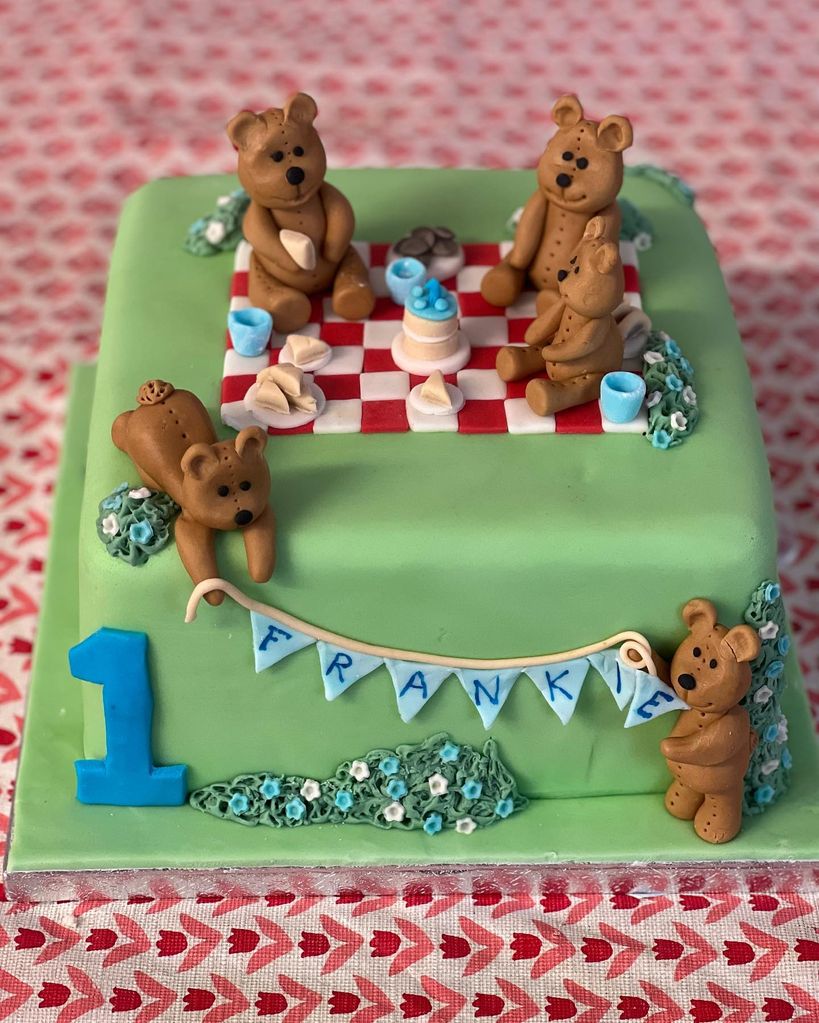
[414, 684]
[560, 685]
[272, 641]
[621, 680]
[488, 689]
[340, 668]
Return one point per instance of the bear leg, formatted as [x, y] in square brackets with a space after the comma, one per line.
[719, 819]
[502, 285]
[545, 397]
[515, 363]
[682, 802]
[353, 297]
[289, 308]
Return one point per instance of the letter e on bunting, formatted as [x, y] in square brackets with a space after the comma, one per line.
[651, 699]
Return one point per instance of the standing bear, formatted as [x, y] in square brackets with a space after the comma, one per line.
[578, 176]
[576, 340]
[710, 746]
[299, 226]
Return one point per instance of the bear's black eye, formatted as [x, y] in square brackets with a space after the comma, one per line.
[712, 663]
[568, 156]
[582, 163]
[278, 156]
[244, 485]
[223, 491]
[697, 652]
[298, 151]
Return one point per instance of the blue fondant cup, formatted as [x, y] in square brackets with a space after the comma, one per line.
[621, 395]
[402, 276]
[250, 330]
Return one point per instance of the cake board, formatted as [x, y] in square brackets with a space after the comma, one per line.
[61, 849]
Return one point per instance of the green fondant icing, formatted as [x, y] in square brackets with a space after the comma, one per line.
[386, 788]
[673, 405]
[135, 528]
[671, 182]
[769, 770]
[635, 226]
[220, 230]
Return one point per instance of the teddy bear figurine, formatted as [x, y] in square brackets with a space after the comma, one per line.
[578, 177]
[577, 337]
[710, 746]
[299, 226]
[219, 485]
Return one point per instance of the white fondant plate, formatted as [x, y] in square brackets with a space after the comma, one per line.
[309, 367]
[427, 408]
[423, 367]
[279, 421]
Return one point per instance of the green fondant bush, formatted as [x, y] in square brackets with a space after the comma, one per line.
[134, 522]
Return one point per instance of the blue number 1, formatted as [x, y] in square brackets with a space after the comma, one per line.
[118, 661]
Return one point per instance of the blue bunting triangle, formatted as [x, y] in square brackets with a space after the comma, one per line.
[651, 699]
[341, 668]
[620, 679]
[272, 641]
[414, 684]
[560, 685]
[488, 689]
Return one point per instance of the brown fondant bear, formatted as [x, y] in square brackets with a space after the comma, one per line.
[579, 176]
[219, 485]
[300, 226]
[577, 337]
[711, 744]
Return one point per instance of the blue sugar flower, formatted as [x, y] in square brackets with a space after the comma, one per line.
[661, 439]
[775, 669]
[141, 532]
[112, 503]
[389, 765]
[238, 803]
[784, 644]
[449, 752]
[787, 759]
[685, 365]
[764, 794]
[295, 809]
[504, 807]
[772, 592]
[122, 488]
[397, 788]
[673, 382]
[270, 788]
[770, 733]
[344, 800]
[433, 823]
[672, 348]
[472, 788]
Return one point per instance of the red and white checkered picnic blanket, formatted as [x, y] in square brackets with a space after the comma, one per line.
[367, 392]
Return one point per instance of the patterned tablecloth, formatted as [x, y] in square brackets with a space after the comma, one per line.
[100, 97]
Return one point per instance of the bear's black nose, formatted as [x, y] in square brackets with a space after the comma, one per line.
[563, 180]
[241, 518]
[687, 681]
[295, 175]
[562, 275]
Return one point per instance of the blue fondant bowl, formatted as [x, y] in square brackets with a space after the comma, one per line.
[621, 395]
[250, 330]
[402, 275]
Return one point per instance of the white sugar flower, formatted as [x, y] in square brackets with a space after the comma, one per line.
[678, 421]
[215, 232]
[782, 729]
[653, 399]
[642, 241]
[140, 493]
[769, 766]
[110, 525]
[394, 812]
[689, 395]
[359, 769]
[310, 790]
[770, 630]
[465, 826]
[762, 695]
[223, 200]
[438, 785]
[652, 358]
[663, 335]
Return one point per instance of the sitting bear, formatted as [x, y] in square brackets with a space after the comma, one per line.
[579, 176]
[300, 226]
[710, 746]
[219, 485]
[577, 337]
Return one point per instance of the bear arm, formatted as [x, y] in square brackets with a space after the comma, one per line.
[260, 546]
[529, 232]
[195, 544]
[262, 232]
[545, 326]
[712, 745]
[340, 223]
[584, 341]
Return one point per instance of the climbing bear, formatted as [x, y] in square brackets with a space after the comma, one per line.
[577, 337]
[710, 746]
[579, 176]
[300, 226]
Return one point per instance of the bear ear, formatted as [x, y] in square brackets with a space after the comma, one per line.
[595, 228]
[199, 461]
[742, 642]
[300, 108]
[604, 259]
[699, 613]
[250, 442]
[241, 128]
[567, 111]
[614, 133]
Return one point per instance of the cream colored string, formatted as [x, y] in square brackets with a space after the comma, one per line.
[632, 642]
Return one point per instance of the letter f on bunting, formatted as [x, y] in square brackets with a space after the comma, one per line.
[272, 641]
